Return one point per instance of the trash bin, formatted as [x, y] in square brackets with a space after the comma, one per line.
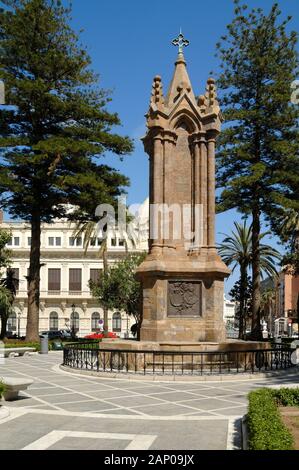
[44, 344]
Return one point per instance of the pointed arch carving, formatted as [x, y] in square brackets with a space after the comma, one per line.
[185, 119]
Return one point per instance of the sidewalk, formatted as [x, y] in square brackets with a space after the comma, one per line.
[65, 411]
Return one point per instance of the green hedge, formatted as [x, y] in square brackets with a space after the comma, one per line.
[22, 344]
[9, 344]
[286, 396]
[265, 426]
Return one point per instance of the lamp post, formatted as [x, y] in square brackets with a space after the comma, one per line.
[73, 321]
[19, 324]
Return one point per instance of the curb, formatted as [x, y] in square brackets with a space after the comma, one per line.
[244, 431]
[180, 378]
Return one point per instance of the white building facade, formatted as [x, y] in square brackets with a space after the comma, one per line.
[65, 297]
[229, 311]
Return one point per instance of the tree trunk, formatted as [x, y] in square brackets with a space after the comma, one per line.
[105, 266]
[32, 328]
[243, 288]
[256, 277]
[3, 327]
[298, 313]
[140, 316]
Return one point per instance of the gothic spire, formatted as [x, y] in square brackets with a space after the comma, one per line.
[180, 82]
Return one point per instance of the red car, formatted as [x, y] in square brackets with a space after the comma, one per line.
[101, 336]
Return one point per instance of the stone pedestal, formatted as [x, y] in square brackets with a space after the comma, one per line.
[182, 301]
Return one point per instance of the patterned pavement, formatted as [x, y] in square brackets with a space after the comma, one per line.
[66, 411]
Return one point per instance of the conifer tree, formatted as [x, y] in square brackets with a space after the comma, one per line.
[257, 161]
[56, 128]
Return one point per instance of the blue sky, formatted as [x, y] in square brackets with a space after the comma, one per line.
[130, 42]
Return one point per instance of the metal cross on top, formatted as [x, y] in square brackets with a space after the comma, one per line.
[181, 42]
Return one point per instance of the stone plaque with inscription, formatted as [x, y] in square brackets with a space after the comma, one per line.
[184, 298]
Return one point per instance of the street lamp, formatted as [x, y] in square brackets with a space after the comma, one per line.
[19, 324]
[73, 321]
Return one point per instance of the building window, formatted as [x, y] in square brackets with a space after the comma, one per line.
[75, 322]
[12, 322]
[95, 275]
[29, 241]
[116, 322]
[9, 243]
[96, 242]
[95, 321]
[75, 280]
[121, 242]
[54, 280]
[53, 326]
[75, 241]
[16, 241]
[54, 241]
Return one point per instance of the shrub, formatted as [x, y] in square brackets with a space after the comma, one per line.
[286, 396]
[266, 429]
[21, 344]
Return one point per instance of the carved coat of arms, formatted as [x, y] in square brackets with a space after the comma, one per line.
[183, 298]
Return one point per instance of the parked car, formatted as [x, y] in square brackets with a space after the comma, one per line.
[59, 334]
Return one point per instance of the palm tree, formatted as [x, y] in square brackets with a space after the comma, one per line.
[267, 305]
[8, 289]
[289, 234]
[90, 231]
[289, 228]
[236, 251]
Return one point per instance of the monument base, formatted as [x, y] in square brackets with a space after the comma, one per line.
[181, 357]
[183, 298]
[183, 346]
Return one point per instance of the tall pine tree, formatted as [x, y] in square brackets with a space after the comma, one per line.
[56, 129]
[257, 161]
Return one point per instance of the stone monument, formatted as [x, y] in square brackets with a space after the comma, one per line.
[182, 276]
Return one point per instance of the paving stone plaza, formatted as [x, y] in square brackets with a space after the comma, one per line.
[71, 411]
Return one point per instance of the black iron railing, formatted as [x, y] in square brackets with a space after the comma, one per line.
[88, 356]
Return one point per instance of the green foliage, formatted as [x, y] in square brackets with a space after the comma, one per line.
[288, 231]
[56, 129]
[287, 396]
[4, 252]
[258, 150]
[118, 288]
[59, 125]
[6, 301]
[266, 429]
[7, 283]
[13, 343]
[236, 250]
[10, 344]
[241, 293]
